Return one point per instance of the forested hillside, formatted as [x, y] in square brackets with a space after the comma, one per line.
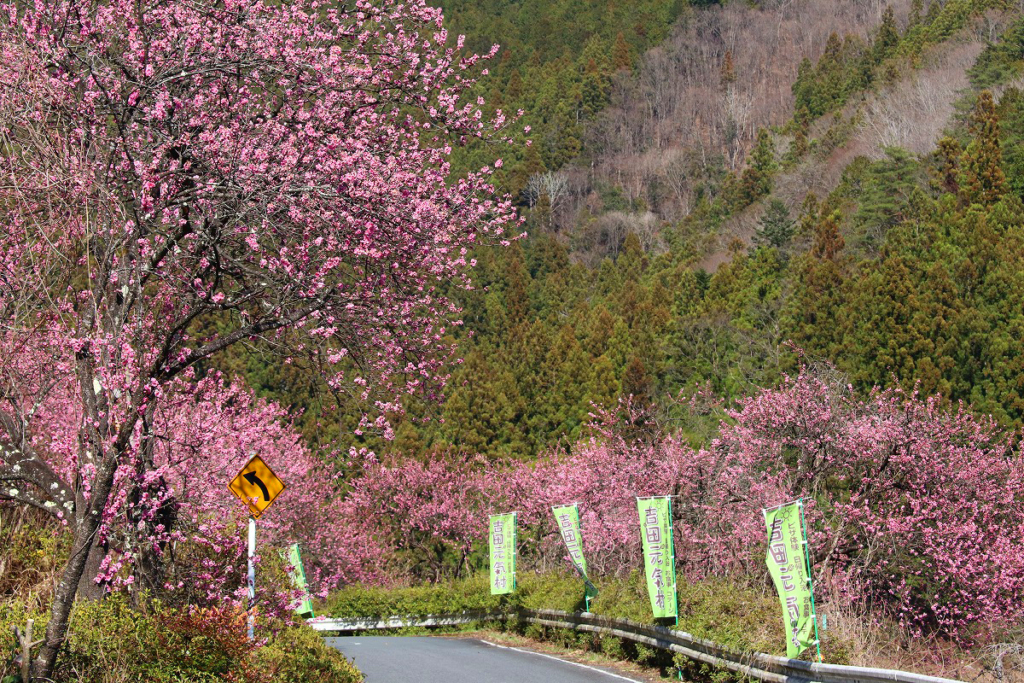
[766, 184]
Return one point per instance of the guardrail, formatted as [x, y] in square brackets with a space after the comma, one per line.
[757, 665]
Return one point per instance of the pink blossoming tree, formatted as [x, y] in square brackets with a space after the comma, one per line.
[181, 177]
[913, 508]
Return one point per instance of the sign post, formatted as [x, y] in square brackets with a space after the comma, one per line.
[251, 578]
[257, 486]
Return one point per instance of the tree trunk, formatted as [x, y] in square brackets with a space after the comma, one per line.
[64, 596]
[151, 563]
[87, 586]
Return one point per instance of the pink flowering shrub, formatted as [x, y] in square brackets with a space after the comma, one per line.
[426, 514]
[912, 508]
[171, 493]
[919, 509]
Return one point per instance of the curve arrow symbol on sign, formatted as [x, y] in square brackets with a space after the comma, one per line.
[256, 481]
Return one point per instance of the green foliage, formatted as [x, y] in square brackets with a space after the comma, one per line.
[725, 611]
[839, 72]
[546, 337]
[1002, 61]
[298, 655]
[32, 545]
[982, 178]
[849, 65]
[1011, 123]
[111, 642]
[945, 19]
[556, 64]
[756, 180]
[884, 188]
[775, 229]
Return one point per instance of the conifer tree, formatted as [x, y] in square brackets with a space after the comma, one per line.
[756, 180]
[517, 298]
[631, 262]
[637, 382]
[949, 154]
[888, 36]
[982, 179]
[603, 388]
[828, 241]
[728, 73]
[598, 330]
[622, 53]
[916, 10]
[812, 315]
[775, 228]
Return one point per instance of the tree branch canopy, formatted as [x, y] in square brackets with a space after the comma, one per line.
[177, 178]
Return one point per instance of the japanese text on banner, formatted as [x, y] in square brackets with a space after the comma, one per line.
[502, 536]
[659, 554]
[787, 564]
[568, 519]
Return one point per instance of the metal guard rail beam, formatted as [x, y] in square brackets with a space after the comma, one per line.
[757, 665]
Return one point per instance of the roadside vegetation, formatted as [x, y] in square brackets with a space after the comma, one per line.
[152, 638]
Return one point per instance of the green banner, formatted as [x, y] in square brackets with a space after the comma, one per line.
[298, 575]
[567, 517]
[659, 554]
[502, 537]
[788, 565]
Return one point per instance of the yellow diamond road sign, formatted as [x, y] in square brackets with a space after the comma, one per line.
[257, 486]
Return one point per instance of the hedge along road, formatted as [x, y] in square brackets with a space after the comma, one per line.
[424, 659]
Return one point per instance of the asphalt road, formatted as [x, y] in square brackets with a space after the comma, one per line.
[400, 659]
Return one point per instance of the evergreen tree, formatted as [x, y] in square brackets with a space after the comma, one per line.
[886, 187]
[1011, 125]
[916, 10]
[603, 388]
[632, 261]
[949, 154]
[622, 53]
[728, 72]
[828, 240]
[775, 229]
[981, 173]
[756, 180]
[637, 382]
[887, 37]
[812, 316]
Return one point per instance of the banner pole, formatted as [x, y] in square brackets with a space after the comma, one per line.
[810, 580]
[515, 555]
[586, 591]
[672, 542]
[251, 577]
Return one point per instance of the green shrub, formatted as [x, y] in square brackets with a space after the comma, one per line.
[299, 655]
[111, 642]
